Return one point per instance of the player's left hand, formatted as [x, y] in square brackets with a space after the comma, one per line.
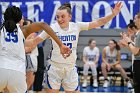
[117, 8]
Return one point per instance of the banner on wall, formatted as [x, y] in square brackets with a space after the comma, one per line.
[82, 10]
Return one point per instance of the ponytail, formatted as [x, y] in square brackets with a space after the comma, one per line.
[10, 25]
[12, 16]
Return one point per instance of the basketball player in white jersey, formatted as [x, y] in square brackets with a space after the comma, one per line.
[90, 59]
[111, 58]
[63, 71]
[12, 52]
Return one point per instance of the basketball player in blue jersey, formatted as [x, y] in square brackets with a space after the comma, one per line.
[12, 52]
[62, 71]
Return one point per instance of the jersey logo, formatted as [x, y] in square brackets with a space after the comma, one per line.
[11, 37]
[68, 38]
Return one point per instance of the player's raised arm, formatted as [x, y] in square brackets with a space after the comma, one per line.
[102, 21]
[38, 26]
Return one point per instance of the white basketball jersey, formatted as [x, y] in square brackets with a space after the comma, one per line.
[91, 54]
[111, 57]
[69, 38]
[12, 52]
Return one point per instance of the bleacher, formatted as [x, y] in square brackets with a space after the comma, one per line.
[102, 36]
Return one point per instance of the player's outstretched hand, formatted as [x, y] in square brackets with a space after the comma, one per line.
[65, 50]
[117, 8]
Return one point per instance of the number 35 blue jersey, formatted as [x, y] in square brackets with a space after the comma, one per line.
[12, 52]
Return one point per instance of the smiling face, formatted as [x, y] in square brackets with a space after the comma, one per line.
[63, 18]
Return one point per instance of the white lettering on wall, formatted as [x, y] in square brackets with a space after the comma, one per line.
[32, 13]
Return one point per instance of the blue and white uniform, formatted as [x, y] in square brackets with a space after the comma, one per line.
[12, 61]
[31, 60]
[111, 57]
[63, 71]
[91, 55]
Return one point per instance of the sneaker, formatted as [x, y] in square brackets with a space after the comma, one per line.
[132, 91]
[30, 91]
[84, 83]
[95, 84]
[106, 84]
[129, 85]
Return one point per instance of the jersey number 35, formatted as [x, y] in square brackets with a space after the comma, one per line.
[11, 37]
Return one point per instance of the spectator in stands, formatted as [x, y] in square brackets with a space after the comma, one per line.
[90, 59]
[111, 58]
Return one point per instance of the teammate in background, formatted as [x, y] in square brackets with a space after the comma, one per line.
[12, 52]
[90, 59]
[63, 71]
[111, 58]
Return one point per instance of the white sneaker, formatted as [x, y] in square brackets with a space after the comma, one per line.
[132, 91]
[84, 83]
[129, 85]
[95, 84]
[106, 84]
[30, 91]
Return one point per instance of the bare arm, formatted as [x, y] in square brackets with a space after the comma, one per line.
[104, 56]
[36, 27]
[97, 56]
[84, 59]
[131, 46]
[29, 40]
[96, 59]
[133, 49]
[38, 39]
[118, 58]
[102, 21]
[84, 56]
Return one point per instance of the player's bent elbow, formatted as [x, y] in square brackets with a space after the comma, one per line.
[43, 24]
